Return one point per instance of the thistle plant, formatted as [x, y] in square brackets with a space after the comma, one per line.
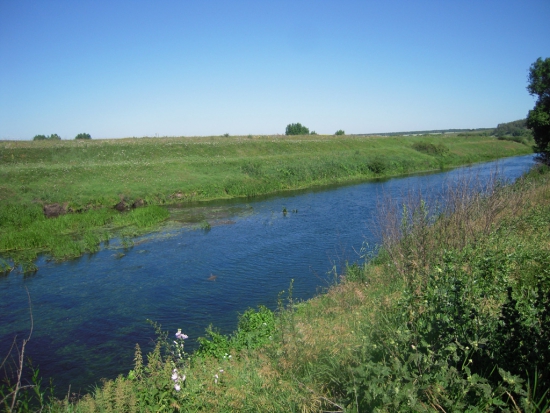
[179, 361]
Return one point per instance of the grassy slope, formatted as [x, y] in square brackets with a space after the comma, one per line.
[101, 172]
[426, 326]
[89, 175]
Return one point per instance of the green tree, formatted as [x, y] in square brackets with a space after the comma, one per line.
[40, 138]
[340, 132]
[538, 119]
[296, 129]
[54, 137]
[83, 136]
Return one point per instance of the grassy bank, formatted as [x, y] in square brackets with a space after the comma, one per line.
[85, 177]
[452, 315]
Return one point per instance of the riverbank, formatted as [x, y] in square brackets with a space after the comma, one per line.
[87, 179]
[451, 314]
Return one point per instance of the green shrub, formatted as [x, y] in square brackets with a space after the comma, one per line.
[296, 129]
[430, 149]
[254, 330]
[52, 137]
[340, 132]
[83, 136]
[377, 165]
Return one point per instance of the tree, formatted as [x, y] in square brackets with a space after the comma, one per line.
[538, 119]
[340, 132]
[296, 129]
[83, 136]
[52, 137]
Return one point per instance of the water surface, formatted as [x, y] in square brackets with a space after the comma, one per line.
[89, 313]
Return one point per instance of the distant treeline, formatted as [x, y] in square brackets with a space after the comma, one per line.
[427, 132]
[516, 129]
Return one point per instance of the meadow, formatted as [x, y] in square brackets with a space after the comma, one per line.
[450, 315]
[88, 178]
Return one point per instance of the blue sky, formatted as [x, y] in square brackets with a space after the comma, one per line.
[140, 68]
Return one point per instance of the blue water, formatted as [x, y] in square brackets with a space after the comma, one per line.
[89, 313]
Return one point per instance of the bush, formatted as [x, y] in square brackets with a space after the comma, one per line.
[52, 137]
[83, 136]
[339, 132]
[255, 329]
[296, 129]
[377, 165]
[430, 148]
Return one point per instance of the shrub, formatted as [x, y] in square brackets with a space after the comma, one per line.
[83, 136]
[254, 330]
[377, 165]
[53, 137]
[339, 132]
[296, 129]
[430, 148]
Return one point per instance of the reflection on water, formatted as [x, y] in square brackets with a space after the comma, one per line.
[89, 313]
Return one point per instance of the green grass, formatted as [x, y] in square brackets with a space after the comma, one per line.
[88, 176]
[451, 315]
[92, 173]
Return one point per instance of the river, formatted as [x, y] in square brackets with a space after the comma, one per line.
[89, 313]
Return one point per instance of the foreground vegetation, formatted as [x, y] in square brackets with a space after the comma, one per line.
[451, 315]
[86, 179]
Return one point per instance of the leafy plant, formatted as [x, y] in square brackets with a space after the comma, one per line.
[538, 118]
[255, 329]
[52, 137]
[83, 136]
[377, 165]
[430, 149]
[339, 132]
[296, 129]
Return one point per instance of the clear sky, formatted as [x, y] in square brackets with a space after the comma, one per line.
[140, 68]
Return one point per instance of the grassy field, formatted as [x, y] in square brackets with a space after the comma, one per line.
[450, 316]
[91, 177]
